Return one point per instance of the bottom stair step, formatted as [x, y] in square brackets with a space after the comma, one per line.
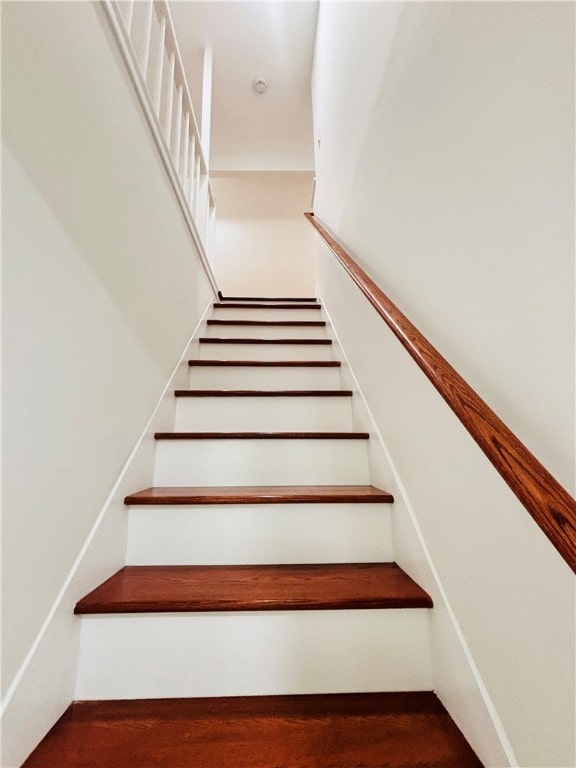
[381, 730]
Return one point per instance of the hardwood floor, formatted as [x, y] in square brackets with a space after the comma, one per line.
[381, 730]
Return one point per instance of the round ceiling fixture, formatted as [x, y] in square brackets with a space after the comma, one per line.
[260, 85]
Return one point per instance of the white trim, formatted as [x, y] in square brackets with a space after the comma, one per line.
[491, 709]
[85, 546]
[113, 17]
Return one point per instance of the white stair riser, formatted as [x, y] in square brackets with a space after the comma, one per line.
[265, 351]
[259, 533]
[240, 377]
[266, 332]
[257, 653]
[261, 462]
[246, 313]
[263, 414]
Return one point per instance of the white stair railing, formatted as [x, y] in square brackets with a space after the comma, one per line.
[146, 38]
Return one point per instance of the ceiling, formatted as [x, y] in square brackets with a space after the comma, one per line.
[273, 40]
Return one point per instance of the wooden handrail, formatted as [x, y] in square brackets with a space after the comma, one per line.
[546, 500]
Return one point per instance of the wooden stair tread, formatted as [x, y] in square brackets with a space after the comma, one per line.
[262, 494]
[267, 298]
[166, 588]
[266, 363]
[372, 730]
[234, 340]
[271, 323]
[259, 305]
[263, 393]
[262, 436]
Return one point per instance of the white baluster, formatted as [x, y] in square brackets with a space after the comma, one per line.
[169, 101]
[207, 219]
[129, 14]
[201, 206]
[206, 103]
[159, 67]
[177, 128]
[191, 170]
[145, 53]
[197, 181]
[211, 240]
[183, 166]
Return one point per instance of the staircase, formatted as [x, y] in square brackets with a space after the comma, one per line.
[260, 620]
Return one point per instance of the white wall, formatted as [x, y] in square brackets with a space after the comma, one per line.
[264, 246]
[101, 291]
[446, 165]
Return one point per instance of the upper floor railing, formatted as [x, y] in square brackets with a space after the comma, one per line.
[546, 500]
[145, 34]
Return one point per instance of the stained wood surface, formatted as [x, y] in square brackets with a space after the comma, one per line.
[551, 506]
[374, 730]
[267, 363]
[263, 298]
[262, 494]
[263, 393]
[271, 323]
[234, 340]
[258, 305]
[262, 435]
[161, 588]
